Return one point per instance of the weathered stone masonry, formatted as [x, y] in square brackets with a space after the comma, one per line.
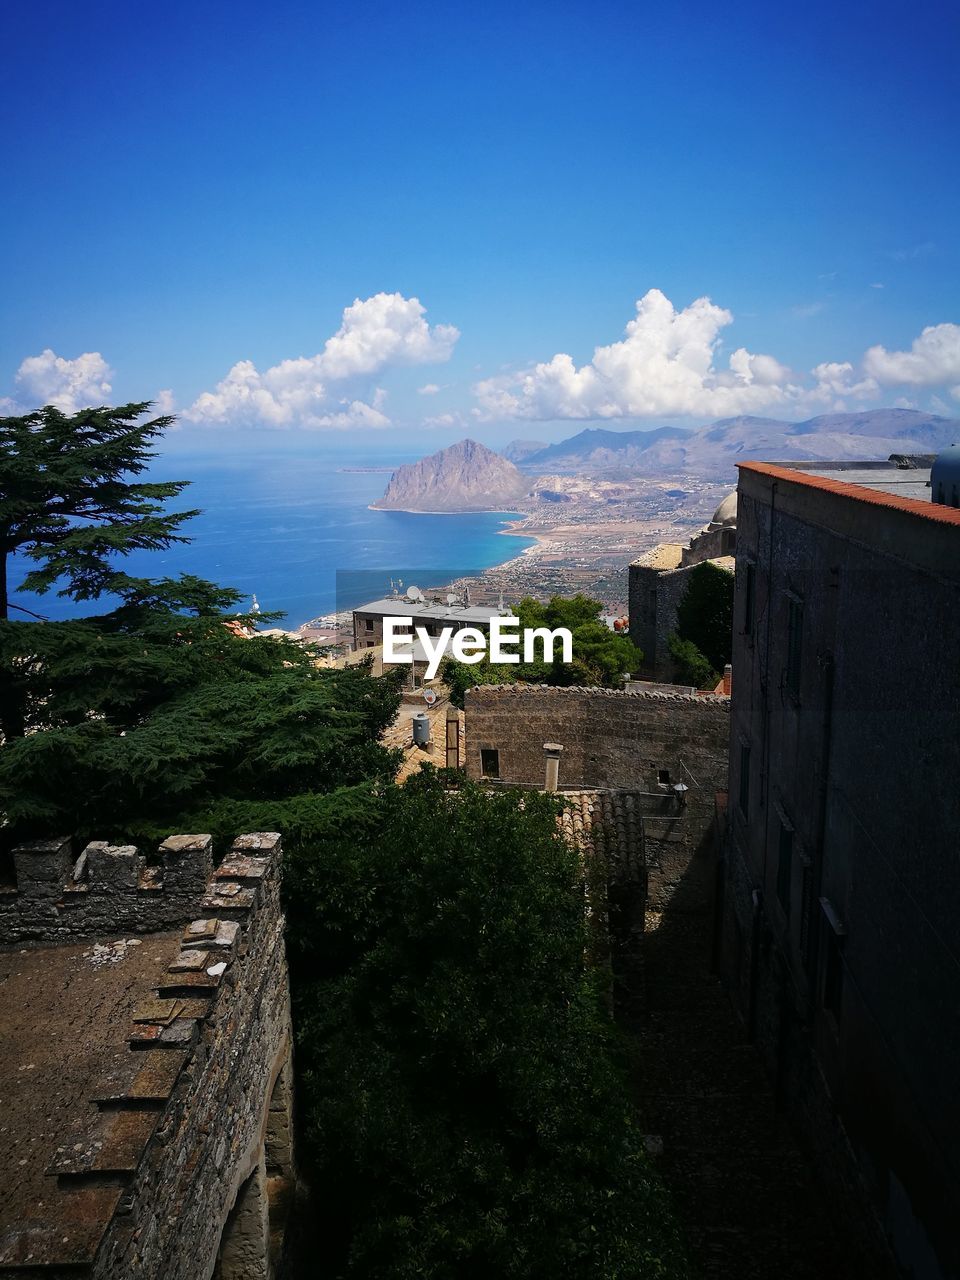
[176, 1161]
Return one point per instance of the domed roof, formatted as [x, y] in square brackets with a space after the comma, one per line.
[726, 513]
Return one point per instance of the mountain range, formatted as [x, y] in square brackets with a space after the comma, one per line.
[836, 436]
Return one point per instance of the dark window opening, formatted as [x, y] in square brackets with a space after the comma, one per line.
[785, 867]
[369, 624]
[794, 641]
[749, 597]
[744, 796]
[489, 762]
[663, 777]
[806, 906]
[833, 975]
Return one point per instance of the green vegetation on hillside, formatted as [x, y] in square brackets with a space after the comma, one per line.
[600, 656]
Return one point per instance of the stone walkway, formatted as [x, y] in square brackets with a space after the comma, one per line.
[746, 1196]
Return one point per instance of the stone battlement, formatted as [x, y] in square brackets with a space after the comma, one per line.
[156, 1107]
[117, 888]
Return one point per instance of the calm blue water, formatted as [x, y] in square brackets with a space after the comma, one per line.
[283, 525]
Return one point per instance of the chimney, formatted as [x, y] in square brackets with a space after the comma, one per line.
[728, 679]
[552, 752]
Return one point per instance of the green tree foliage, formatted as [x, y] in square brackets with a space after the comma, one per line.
[463, 1102]
[71, 504]
[600, 656]
[156, 715]
[705, 614]
[689, 665]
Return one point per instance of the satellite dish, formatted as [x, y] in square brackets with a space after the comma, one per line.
[414, 594]
[451, 598]
[429, 696]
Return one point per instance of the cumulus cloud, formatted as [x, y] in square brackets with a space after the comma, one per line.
[429, 389]
[838, 378]
[68, 384]
[382, 331]
[932, 361]
[664, 366]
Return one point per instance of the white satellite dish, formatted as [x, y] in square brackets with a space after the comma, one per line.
[414, 594]
[429, 696]
[451, 598]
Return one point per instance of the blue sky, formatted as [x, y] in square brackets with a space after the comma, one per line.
[187, 187]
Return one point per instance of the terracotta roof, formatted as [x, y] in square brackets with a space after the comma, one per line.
[860, 493]
[606, 823]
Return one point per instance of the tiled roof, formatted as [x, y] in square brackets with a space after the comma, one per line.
[858, 492]
[605, 823]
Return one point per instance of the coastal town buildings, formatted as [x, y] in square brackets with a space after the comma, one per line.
[658, 581]
[145, 1062]
[432, 615]
[840, 888]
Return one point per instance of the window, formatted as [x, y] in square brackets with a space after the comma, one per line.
[785, 866]
[749, 597]
[663, 777]
[489, 762]
[833, 976]
[832, 994]
[651, 604]
[368, 622]
[806, 896]
[744, 798]
[794, 639]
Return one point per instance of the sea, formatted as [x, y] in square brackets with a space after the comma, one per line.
[293, 527]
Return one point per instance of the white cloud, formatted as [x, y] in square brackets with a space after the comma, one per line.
[837, 378]
[445, 420]
[933, 359]
[68, 384]
[429, 389]
[376, 333]
[664, 366]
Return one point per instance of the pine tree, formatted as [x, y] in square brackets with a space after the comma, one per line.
[161, 713]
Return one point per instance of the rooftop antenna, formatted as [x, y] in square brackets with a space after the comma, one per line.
[255, 606]
[466, 597]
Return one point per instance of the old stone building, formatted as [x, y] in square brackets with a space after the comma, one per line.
[658, 581]
[841, 894]
[145, 1068]
[667, 752]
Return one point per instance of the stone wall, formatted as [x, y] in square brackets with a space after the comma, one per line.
[57, 896]
[636, 741]
[855, 756]
[181, 1160]
[610, 737]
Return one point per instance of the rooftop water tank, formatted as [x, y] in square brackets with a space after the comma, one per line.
[945, 477]
[421, 729]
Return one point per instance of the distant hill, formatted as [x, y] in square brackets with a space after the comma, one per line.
[598, 447]
[518, 450]
[837, 436]
[467, 476]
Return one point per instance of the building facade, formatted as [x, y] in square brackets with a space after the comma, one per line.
[658, 581]
[838, 915]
